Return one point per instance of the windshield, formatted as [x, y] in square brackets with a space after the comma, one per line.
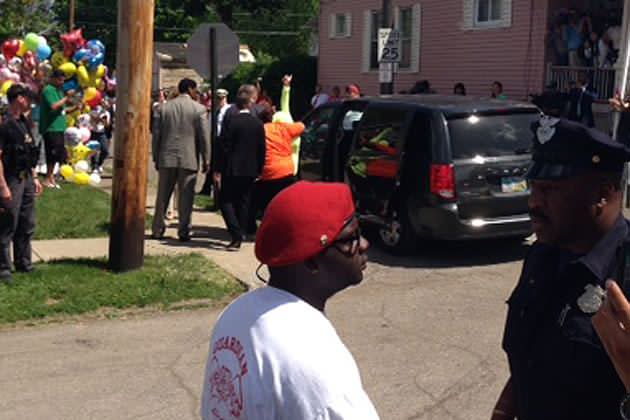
[491, 135]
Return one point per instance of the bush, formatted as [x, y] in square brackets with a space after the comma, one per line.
[271, 70]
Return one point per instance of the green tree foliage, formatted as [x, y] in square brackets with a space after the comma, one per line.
[18, 17]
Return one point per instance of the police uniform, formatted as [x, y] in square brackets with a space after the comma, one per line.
[559, 367]
[17, 219]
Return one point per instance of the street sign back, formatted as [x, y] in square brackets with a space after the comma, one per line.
[198, 54]
[389, 45]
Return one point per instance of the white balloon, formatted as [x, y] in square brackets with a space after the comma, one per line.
[81, 166]
[95, 180]
[72, 136]
[85, 133]
[84, 120]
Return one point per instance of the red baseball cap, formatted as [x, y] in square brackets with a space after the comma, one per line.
[353, 88]
[302, 221]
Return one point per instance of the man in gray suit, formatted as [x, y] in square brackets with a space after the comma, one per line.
[181, 140]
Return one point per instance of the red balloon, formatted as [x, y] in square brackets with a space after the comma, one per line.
[72, 41]
[10, 48]
[96, 100]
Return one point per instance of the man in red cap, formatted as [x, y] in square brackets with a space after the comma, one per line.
[353, 91]
[273, 353]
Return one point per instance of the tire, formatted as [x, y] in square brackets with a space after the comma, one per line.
[398, 237]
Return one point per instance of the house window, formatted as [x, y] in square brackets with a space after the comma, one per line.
[340, 25]
[406, 35]
[404, 25]
[488, 12]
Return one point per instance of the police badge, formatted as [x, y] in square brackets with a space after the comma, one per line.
[547, 128]
[592, 299]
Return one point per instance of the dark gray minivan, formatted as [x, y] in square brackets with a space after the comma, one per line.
[427, 166]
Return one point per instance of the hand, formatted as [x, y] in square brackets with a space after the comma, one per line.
[39, 189]
[618, 104]
[6, 196]
[612, 324]
[70, 93]
[286, 80]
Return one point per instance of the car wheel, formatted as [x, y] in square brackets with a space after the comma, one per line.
[397, 236]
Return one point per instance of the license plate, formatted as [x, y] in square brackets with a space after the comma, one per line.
[514, 185]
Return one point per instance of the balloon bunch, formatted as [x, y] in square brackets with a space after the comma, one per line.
[80, 149]
[21, 59]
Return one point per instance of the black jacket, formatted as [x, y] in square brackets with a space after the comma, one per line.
[582, 106]
[241, 150]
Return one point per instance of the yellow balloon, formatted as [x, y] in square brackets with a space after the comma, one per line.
[69, 69]
[71, 121]
[5, 87]
[82, 178]
[23, 49]
[66, 172]
[80, 152]
[83, 76]
[58, 59]
[89, 94]
[100, 71]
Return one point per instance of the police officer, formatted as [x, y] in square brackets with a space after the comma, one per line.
[18, 184]
[559, 368]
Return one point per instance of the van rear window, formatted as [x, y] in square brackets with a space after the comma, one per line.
[491, 135]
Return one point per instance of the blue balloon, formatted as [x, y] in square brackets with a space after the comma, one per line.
[43, 52]
[71, 84]
[96, 61]
[94, 145]
[81, 54]
[96, 46]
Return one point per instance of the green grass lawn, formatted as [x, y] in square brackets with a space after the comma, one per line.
[204, 202]
[73, 212]
[72, 287]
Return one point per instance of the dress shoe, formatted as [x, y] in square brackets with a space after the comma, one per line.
[158, 236]
[233, 246]
[6, 277]
[25, 269]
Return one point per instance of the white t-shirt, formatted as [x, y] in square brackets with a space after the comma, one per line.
[275, 357]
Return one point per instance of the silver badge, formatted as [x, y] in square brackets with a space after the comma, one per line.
[592, 299]
[547, 128]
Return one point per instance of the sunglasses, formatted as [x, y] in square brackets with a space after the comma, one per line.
[349, 246]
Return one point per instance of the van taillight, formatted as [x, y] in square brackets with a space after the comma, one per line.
[443, 181]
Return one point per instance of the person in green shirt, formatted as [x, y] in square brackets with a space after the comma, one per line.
[52, 123]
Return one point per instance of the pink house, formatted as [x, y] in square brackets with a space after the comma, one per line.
[474, 42]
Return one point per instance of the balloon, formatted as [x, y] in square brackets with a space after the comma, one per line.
[72, 41]
[100, 71]
[5, 87]
[10, 48]
[96, 101]
[80, 152]
[94, 145]
[66, 172]
[31, 40]
[95, 180]
[84, 121]
[58, 59]
[72, 136]
[96, 61]
[82, 178]
[81, 166]
[81, 54]
[15, 64]
[3, 60]
[43, 52]
[83, 77]
[5, 74]
[42, 40]
[96, 46]
[69, 69]
[85, 133]
[71, 84]
[22, 50]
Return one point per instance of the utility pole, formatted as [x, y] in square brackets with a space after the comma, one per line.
[387, 22]
[72, 8]
[131, 153]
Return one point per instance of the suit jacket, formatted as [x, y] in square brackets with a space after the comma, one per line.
[182, 136]
[581, 106]
[242, 147]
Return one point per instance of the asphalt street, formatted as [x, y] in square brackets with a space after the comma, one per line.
[425, 331]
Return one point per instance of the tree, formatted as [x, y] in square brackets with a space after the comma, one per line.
[23, 16]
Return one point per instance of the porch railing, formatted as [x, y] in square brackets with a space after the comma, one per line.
[602, 81]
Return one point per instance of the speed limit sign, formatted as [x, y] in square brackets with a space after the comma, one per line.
[389, 45]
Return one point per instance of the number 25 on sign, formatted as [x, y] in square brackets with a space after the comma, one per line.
[388, 45]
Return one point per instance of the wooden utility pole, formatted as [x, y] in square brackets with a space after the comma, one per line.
[71, 12]
[132, 139]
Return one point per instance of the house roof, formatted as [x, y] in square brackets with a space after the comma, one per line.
[452, 104]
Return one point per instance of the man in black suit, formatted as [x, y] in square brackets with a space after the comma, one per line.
[240, 161]
[581, 99]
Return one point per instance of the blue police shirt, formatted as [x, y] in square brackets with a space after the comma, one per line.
[559, 367]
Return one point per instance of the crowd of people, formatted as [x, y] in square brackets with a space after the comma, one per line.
[584, 40]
